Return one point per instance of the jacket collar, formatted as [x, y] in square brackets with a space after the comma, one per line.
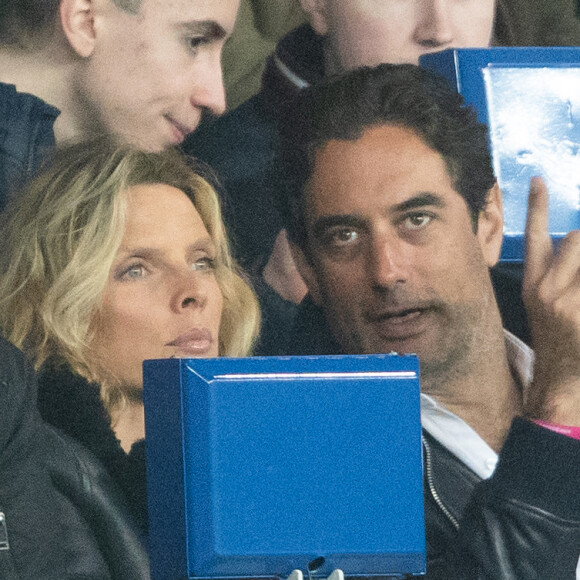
[297, 63]
[26, 137]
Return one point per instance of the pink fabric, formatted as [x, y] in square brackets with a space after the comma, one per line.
[573, 432]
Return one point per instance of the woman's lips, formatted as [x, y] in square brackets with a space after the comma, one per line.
[194, 342]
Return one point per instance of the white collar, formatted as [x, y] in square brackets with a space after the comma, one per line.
[455, 434]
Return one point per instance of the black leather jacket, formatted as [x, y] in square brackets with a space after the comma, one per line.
[523, 523]
[62, 516]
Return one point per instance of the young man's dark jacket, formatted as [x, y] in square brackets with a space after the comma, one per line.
[523, 523]
[26, 138]
[61, 515]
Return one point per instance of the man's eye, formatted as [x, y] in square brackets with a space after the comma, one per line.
[341, 237]
[417, 221]
[194, 43]
[204, 264]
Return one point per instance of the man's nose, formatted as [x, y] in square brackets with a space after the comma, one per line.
[209, 91]
[387, 262]
[434, 25]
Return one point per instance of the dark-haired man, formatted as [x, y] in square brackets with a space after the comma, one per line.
[143, 70]
[342, 35]
[396, 219]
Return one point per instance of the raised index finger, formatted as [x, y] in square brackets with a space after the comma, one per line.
[539, 249]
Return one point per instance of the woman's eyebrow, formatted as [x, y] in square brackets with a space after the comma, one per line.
[206, 243]
[140, 252]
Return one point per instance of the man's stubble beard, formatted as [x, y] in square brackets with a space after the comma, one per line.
[455, 353]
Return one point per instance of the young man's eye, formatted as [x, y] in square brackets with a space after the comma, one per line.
[194, 43]
[204, 264]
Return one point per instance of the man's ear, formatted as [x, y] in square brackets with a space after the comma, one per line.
[490, 226]
[78, 23]
[307, 272]
[316, 12]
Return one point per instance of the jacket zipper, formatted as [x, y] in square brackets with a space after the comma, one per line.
[4, 545]
[431, 484]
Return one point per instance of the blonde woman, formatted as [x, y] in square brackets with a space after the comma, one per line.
[111, 257]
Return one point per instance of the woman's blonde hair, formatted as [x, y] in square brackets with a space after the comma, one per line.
[58, 241]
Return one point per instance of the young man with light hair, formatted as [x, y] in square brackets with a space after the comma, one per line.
[142, 70]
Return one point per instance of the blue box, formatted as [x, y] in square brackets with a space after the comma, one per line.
[258, 466]
[530, 100]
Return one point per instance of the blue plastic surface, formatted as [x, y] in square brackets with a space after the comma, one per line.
[258, 466]
[530, 99]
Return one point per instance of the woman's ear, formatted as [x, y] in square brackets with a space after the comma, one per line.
[78, 23]
[490, 226]
[316, 12]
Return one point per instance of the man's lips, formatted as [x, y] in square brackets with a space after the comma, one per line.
[180, 131]
[401, 323]
[194, 342]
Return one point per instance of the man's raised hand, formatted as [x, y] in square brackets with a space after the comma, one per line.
[551, 292]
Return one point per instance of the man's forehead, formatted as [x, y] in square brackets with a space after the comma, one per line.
[387, 165]
[221, 14]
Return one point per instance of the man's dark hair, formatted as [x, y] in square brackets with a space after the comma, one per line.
[28, 23]
[402, 95]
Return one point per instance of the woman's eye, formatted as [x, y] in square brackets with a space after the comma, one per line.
[417, 221]
[134, 272]
[204, 264]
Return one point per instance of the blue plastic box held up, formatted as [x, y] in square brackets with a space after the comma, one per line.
[530, 100]
[258, 466]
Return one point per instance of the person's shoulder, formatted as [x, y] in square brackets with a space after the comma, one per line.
[236, 127]
[537, 23]
[13, 101]
[17, 389]
[9, 356]
[236, 142]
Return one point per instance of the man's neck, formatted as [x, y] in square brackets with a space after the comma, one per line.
[47, 74]
[484, 392]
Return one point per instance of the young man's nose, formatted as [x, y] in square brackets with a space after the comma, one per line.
[209, 91]
[434, 25]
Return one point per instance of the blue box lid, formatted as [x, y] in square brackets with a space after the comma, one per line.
[259, 466]
[530, 100]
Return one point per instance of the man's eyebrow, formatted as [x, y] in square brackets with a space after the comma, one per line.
[324, 223]
[420, 200]
[209, 28]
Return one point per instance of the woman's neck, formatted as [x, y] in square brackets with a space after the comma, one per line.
[129, 424]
